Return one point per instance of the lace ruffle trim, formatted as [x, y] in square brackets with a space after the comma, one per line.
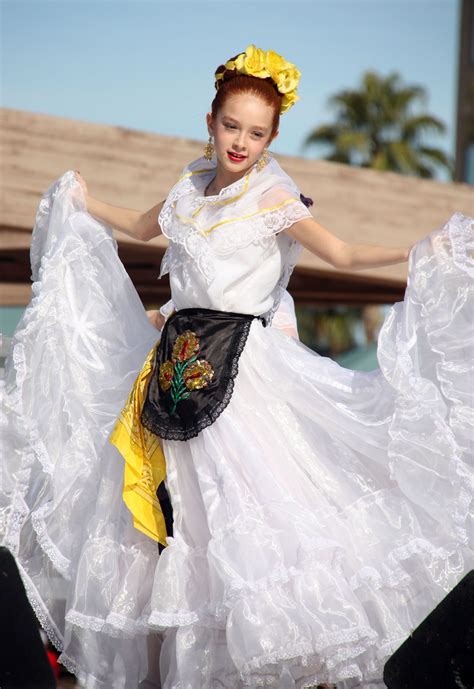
[389, 574]
[38, 451]
[461, 231]
[345, 642]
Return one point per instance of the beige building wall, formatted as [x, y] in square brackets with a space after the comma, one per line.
[136, 169]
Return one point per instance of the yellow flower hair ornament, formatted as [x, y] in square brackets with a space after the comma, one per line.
[265, 64]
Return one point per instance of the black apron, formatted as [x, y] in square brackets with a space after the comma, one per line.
[194, 368]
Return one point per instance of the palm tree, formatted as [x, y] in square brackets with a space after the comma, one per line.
[375, 129]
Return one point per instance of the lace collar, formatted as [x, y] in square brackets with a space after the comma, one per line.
[200, 173]
[258, 197]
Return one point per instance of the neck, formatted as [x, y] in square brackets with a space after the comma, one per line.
[223, 178]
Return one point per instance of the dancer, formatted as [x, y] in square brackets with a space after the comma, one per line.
[319, 513]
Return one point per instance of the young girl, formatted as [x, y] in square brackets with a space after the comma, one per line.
[318, 513]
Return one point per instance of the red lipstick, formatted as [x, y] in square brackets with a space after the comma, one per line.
[235, 158]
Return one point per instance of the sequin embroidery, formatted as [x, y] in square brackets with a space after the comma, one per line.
[184, 372]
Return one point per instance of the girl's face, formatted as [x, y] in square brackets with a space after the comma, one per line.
[242, 126]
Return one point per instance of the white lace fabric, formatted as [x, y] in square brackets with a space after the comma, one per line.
[317, 522]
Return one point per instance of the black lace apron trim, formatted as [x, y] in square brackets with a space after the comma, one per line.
[194, 367]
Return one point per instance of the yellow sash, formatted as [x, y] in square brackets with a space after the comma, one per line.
[145, 464]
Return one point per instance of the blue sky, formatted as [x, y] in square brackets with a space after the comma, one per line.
[149, 65]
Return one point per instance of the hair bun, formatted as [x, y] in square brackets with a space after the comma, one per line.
[225, 75]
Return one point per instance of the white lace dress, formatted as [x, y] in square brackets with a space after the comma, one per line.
[317, 521]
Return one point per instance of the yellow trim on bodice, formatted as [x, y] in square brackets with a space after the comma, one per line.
[189, 221]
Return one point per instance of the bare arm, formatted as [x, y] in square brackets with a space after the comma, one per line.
[340, 254]
[136, 224]
[143, 226]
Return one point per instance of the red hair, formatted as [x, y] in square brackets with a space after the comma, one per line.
[234, 83]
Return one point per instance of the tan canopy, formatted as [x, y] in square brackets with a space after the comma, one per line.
[135, 169]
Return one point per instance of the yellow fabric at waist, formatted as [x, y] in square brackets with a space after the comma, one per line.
[145, 464]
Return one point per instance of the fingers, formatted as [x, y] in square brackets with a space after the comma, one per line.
[81, 181]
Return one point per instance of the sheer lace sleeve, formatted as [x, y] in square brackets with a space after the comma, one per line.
[284, 317]
[281, 206]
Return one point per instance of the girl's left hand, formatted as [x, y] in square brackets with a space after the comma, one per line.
[156, 319]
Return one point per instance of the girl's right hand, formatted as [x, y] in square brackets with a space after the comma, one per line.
[82, 182]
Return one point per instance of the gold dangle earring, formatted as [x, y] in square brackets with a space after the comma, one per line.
[263, 160]
[209, 149]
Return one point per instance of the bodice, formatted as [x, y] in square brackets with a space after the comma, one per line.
[229, 251]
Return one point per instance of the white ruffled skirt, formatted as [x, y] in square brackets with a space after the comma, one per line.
[317, 522]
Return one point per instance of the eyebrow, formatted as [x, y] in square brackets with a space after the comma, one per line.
[227, 117]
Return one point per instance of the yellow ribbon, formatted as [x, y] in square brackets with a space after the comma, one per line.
[145, 464]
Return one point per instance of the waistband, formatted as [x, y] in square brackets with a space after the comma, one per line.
[215, 314]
